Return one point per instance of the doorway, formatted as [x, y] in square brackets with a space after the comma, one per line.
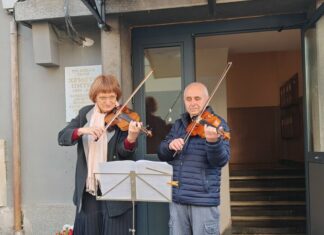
[150, 43]
[262, 102]
[265, 64]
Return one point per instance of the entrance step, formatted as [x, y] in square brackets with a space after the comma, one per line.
[269, 210]
[268, 201]
[260, 189]
[259, 231]
[245, 171]
[277, 182]
[288, 196]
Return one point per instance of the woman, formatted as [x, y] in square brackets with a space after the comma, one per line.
[96, 145]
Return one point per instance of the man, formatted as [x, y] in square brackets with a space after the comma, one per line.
[196, 168]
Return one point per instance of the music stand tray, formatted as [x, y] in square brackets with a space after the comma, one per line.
[134, 181]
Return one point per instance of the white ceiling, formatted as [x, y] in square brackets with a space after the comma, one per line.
[285, 40]
[166, 61]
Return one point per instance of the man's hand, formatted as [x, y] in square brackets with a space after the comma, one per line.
[211, 133]
[133, 131]
[176, 144]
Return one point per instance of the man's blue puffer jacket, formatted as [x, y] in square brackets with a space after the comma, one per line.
[198, 167]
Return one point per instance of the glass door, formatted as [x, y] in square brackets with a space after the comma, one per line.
[162, 92]
[169, 51]
[313, 46]
[159, 102]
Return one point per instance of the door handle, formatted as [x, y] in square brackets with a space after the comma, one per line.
[317, 157]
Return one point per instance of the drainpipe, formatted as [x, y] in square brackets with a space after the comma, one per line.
[15, 128]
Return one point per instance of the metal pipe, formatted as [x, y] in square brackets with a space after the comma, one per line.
[15, 128]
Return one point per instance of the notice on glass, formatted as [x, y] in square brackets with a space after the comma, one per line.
[77, 84]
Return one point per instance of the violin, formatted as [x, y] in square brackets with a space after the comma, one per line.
[196, 127]
[123, 113]
[210, 119]
[123, 119]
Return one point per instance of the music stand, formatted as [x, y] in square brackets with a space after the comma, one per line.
[134, 181]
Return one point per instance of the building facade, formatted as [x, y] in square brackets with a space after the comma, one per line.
[182, 41]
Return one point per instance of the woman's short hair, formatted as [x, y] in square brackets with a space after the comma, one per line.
[104, 84]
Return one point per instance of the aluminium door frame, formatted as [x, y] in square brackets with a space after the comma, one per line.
[309, 156]
[184, 35]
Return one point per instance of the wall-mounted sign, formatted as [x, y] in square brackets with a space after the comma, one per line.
[8, 4]
[77, 84]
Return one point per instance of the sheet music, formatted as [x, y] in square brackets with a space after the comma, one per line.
[152, 180]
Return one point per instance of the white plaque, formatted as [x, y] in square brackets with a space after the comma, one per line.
[77, 84]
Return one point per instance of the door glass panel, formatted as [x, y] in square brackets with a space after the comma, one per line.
[162, 92]
[314, 68]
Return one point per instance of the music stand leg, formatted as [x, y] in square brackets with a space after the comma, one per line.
[133, 229]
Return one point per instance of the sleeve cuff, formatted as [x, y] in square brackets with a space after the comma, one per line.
[128, 145]
[75, 134]
[214, 143]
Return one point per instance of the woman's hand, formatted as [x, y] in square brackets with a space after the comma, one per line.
[133, 131]
[95, 132]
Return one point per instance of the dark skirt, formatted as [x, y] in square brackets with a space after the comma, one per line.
[94, 219]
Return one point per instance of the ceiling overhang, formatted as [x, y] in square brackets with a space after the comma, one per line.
[152, 12]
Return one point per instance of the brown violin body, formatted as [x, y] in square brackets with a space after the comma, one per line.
[197, 127]
[124, 118]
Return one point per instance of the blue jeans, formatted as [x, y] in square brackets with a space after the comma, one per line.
[193, 220]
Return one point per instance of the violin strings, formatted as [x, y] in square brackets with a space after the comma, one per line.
[129, 98]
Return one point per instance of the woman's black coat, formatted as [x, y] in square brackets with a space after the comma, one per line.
[116, 152]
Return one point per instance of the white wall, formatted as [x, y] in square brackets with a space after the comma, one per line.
[6, 222]
[47, 170]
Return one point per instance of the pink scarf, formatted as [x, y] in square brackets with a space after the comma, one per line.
[97, 149]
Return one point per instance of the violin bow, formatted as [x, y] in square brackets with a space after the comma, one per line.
[172, 106]
[186, 138]
[129, 98]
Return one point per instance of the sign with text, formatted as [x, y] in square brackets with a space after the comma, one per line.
[77, 84]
